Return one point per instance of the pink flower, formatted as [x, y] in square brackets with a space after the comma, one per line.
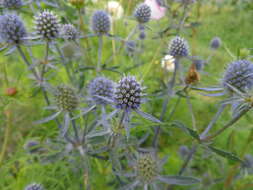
[157, 11]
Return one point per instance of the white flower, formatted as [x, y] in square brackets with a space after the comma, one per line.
[115, 9]
[168, 63]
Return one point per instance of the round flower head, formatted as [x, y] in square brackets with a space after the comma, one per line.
[142, 13]
[128, 93]
[12, 3]
[215, 43]
[100, 22]
[34, 186]
[147, 169]
[47, 25]
[101, 86]
[238, 74]
[66, 98]
[69, 32]
[178, 47]
[12, 29]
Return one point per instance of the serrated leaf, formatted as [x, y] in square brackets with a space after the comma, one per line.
[228, 155]
[189, 131]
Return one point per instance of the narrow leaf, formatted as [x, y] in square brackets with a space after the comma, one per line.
[228, 155]
[51, 117]
[178, 180]
[191, 132]
[147, 116]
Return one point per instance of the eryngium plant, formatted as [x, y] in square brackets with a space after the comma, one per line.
[215, 43]
[128, 94]
[34, 186]
[178, 47]
[147, 174]
[100, 22]
[69, 32]
[238, 74]
[66, 98]
[142, 13]
[47, 25]
[100, 87]
[12, 29]
[12, 3]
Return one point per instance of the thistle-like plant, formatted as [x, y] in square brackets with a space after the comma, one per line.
[178, 47]
[34, 186]
[47, 25]
[69, 32]
[12, 3]
[66, 102]
[147, 173]
[12, 30]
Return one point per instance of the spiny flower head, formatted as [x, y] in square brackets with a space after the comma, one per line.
[12, 29]
[142, 13]
[47, 25]
[101, 86]
[34, 186]
[215, 43]
[100, 22]
[69, 32]
[130, 47]
[12, 3]
[147, 168]
[128, 93]
[66, 98]
[178, 47]
[239, 74]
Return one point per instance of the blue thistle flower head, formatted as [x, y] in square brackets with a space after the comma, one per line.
[131, 47]
[69, 32]
[12, 3]
[178, 47]
[142, 13]
[34, 186]
[103, 87]
[12, 29]
[47, 25]
[100, 22]
[128, 93]
[238, 74]
[215, 43]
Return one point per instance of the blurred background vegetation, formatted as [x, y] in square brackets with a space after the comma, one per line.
[231, 20]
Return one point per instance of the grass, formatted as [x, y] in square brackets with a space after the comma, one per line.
[19, 168]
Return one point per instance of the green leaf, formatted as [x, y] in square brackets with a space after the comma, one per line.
[189, 131]
[228, 155]
[178, 180]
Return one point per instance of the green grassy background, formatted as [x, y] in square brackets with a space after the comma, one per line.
[233, 25]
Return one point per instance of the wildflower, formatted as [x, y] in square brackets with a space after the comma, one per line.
[238, 74]
[168, 63]
[100, 22]
[12, 29]
[142, 13]
[47, 25]
[98, 87]
[34, 186]
[215, 43]
[69, 32]
[115, 9]
[158, 10]
[178, 47]
[12, 3]
[147, 173]
[66, 101]
[131, 47]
